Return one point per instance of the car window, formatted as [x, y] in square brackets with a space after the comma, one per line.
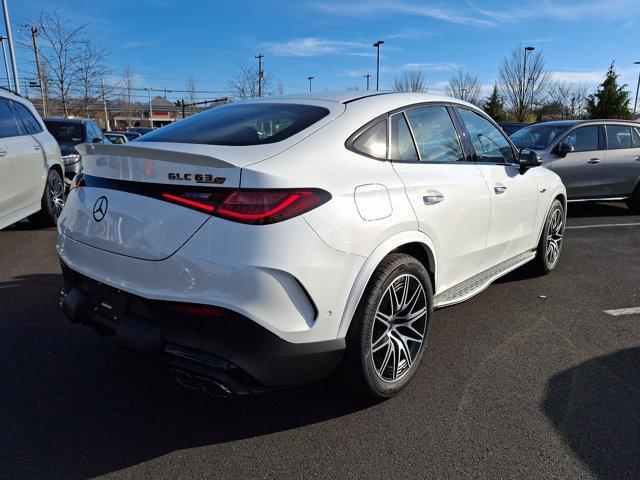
[240, 124]
[66, 132]
[636, 137]
[373, 141]
[401, 145]
[8, 125]
[93, 132]
[489, 142]
[539, 136]
[436, 137]
[583, 139]
[31, 125]
[618, 136]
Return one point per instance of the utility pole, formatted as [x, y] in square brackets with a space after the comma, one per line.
[104, 104]
[43, 88]
[377, 45]
[367, 76]
[310, 78]
[150, 107]
[6, 64]
[182, 105]
[7, 24]
[635, 105]
[525, 82]
[260, 73]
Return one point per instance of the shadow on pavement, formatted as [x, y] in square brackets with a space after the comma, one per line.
[596, 408]
[73, 405]
[596, 209]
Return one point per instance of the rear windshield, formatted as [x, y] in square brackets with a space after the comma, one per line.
[66, 132]
[538, 137]
[240, 124]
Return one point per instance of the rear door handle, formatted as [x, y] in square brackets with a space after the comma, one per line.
[36, 147]
[432, 197]
[3, 153]
[499, 189]
[593, 161]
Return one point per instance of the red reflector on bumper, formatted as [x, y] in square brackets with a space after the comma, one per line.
[200, 310]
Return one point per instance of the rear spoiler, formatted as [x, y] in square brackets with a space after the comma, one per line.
[146, 153]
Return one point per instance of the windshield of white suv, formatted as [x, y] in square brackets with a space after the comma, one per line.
[240, 124]
[538, 137]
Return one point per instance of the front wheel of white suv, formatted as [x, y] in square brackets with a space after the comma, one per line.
[388, 334]
[550, 244]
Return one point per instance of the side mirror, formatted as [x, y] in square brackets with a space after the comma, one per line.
[565, 148]
[97, 140]
[529, 158]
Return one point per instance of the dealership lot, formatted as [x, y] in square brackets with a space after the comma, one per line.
[536, 377]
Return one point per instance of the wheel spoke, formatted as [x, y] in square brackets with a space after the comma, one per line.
[381, 342]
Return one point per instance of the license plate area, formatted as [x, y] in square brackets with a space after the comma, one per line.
[108, 303]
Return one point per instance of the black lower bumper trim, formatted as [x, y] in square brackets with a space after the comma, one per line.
[232, 351]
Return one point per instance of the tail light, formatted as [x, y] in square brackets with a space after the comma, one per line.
[198, 310]
[257, 207]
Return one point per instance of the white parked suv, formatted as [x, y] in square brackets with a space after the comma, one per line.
[269, 243]
[31, 168]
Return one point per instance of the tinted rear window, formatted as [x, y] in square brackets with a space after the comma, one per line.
[240, 124]
[66, 132]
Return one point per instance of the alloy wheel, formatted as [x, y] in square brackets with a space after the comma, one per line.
[554, 237]
[399, 328]
[56, 189]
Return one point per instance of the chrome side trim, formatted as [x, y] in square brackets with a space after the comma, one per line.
[477, 283]
[597, 199]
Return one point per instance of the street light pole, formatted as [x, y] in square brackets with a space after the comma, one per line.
[150, 107]
[260, 73]
[310, 78]
[377, 45]
[6, 64]
[7, 24]
[367, 76]
[635, 105]
[525, 83]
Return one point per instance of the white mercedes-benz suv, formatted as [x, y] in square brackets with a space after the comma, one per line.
[31, 168]
[269, 243]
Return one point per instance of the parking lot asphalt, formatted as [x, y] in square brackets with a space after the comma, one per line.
[529, 379]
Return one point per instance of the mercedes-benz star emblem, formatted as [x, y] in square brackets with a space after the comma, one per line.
[100, 208]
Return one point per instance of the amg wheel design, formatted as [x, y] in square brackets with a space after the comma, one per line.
[52, 202]
[550, 243]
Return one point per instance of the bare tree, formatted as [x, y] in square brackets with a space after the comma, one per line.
[191, 87]
[466, 87]
[91, 69]
[279, 87]
[244, 83]
[570, 98]
[128, 86]
[413, 81]
[353, 88]
[523, 88]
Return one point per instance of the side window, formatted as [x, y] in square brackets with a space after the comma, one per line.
[583, 139]
[401, 146]
[94, 131]
[31, 125]
[488, 141]
[8, 125]
[635, 133]
[436, 137]
[373, 141]
[618, 136]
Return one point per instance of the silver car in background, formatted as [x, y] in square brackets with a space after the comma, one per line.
[596, 159]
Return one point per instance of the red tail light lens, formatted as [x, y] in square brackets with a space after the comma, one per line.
[258, 207]
[199, 310]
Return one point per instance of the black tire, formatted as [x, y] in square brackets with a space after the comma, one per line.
[634, 201]
[51, 203]
[358, 370]
[543, 262]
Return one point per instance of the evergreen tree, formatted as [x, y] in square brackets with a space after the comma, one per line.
[494, 107]
[610, 100]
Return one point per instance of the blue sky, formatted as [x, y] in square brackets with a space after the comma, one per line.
[167, 41]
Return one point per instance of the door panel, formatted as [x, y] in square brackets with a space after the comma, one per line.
[581, 170]
[28, 168]
[514, 203]
[7, 202]
[457, 223]
[622, 161]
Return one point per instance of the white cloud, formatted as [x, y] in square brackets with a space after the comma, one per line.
[312, 47]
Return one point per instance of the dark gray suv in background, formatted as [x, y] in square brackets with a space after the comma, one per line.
[596, 159]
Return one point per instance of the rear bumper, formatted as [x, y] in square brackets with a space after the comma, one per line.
[224, 355]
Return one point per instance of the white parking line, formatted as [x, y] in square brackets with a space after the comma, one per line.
[623, 311]
[604, 225]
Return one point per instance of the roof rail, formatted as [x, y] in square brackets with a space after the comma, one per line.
[10, 90]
